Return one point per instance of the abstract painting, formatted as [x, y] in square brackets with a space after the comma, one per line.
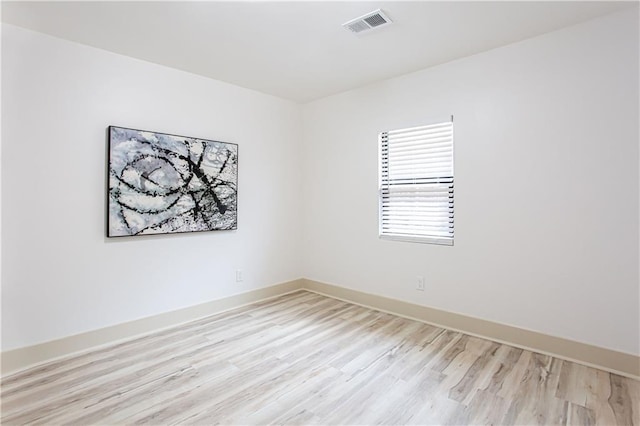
[161, 183]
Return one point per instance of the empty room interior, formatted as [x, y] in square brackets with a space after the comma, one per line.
[320, 213]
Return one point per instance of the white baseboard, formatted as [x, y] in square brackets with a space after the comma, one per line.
[621, 363]
[19, 359]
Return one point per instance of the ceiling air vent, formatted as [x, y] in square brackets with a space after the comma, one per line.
[371, 20]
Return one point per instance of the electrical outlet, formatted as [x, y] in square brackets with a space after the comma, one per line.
[239, 275]
[420, 283]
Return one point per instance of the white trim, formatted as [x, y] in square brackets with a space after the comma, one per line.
[15, 360]
[414, 239]
[617, 362]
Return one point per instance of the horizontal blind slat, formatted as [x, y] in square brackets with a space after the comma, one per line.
[416, 181]
[411, 144]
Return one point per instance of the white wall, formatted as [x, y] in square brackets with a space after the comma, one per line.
[546, 187]
[546, 207]
[60, 275]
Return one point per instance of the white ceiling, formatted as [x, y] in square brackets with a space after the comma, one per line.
[299, 50]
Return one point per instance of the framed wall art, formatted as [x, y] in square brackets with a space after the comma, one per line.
[161, 183]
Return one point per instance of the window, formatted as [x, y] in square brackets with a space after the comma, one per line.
[416, 183]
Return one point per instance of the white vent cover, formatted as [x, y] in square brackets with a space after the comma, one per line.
[371, 20]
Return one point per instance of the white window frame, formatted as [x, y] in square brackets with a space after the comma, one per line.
[428, 173]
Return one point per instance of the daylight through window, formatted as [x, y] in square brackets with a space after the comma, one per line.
[416, 183]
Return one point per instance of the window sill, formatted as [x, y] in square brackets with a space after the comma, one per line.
[423, 240]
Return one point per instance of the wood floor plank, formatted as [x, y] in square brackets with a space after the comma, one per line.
[303, 358]
[580, 416]
[514, 378]
[466, 387]
[360, 399]
[406, 401]
[625, 408]
[506, 359]
[535, 401]
[485, 408]
[420, 359]
[285, 404]
[577, 383]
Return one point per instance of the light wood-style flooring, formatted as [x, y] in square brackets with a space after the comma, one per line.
[304, 358]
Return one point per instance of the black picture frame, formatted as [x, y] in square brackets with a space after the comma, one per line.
[161, 183]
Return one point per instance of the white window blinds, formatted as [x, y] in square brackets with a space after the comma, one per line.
[416, 183]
